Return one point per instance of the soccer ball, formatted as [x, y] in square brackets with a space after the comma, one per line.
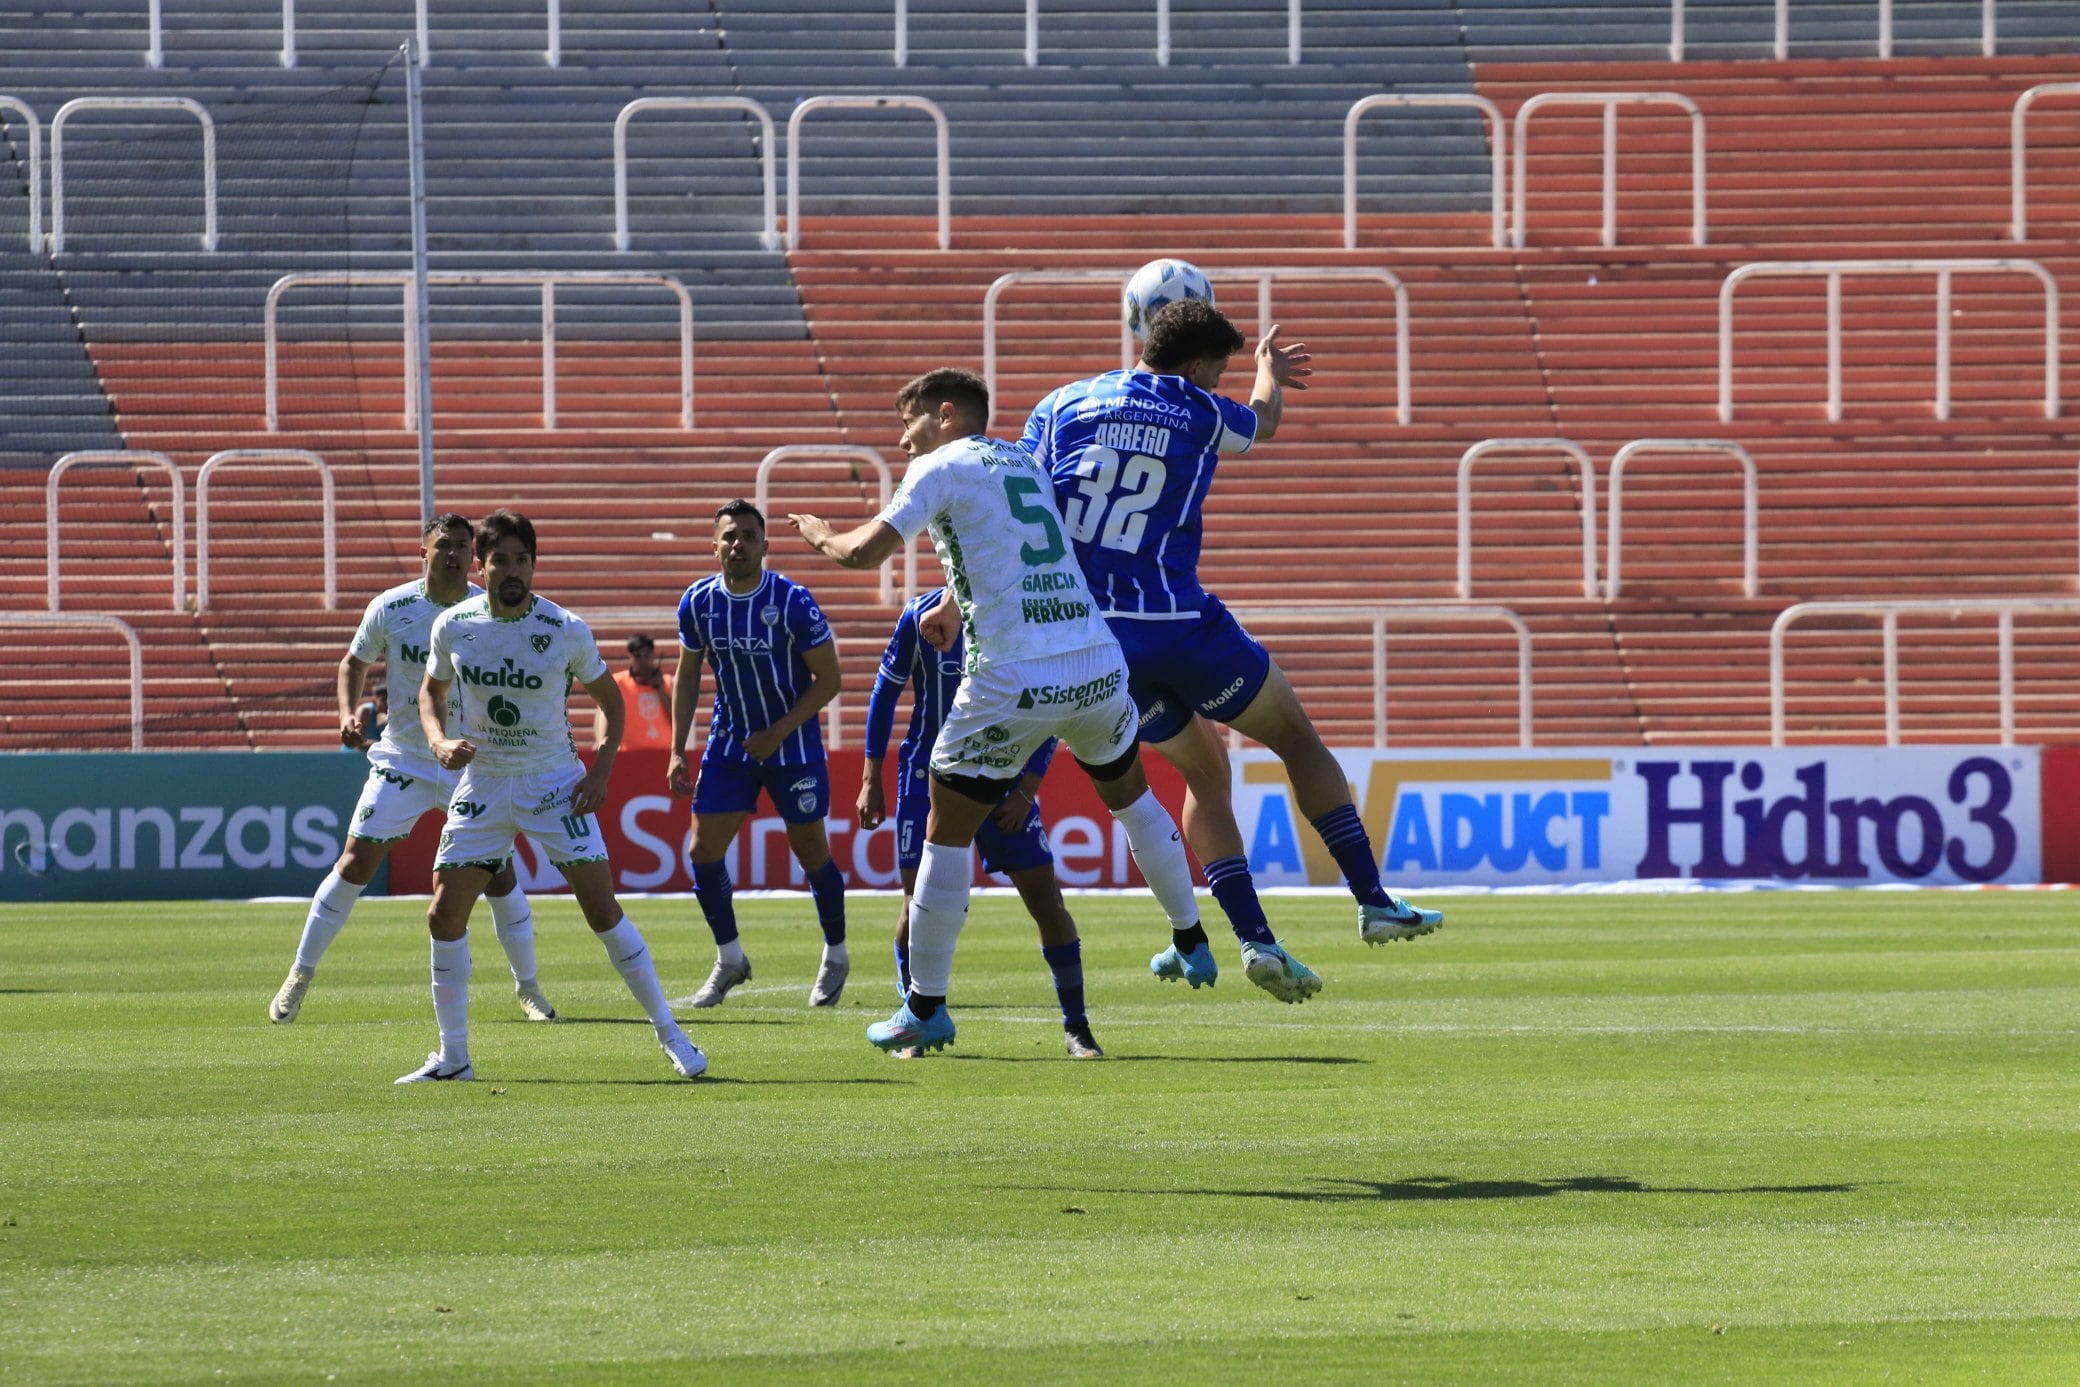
[1157, 285]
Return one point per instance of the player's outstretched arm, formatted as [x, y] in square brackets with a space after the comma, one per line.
[866, 546]
[1277, 368]
[824, 683]
[353, 678]
[591, 794]
[452, 752]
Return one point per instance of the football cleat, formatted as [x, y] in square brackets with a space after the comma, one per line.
[1196, 967]
[830, 982]
[434, 1071]
[1279, 973]
[533, 1004]
[725, 976]
[1080, 1043]
[289, 1000]
[689, 1061]
[1397, 919]
[903, 1030]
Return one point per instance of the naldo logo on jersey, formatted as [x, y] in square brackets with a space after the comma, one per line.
[507, 676]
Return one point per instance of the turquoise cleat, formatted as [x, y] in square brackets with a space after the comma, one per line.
[1397, 919]
[903, 1030]
[1279, 973]
[1196, 967]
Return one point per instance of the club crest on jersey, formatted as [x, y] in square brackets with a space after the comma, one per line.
[540, 644]
[770, 616]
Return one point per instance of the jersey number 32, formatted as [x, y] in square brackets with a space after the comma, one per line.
[1112, 511]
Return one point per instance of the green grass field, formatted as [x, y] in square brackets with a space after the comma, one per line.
[1810, 1137]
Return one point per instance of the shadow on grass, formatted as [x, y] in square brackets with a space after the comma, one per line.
[1163, 1059]
[705, 1081]
[566, 1019]
[25, 991]
[1343, 1190]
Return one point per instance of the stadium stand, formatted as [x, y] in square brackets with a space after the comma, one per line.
[1094, 157]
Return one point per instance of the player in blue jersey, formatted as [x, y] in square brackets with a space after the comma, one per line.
[1012, 839]
[1133, 454]
[775, 667]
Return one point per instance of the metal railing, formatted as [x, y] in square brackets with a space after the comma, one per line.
[902, 40]
[552, 49]
[115, 457]
[34, 621]
[866, 103]
[327, 501]
[1527, 445]
[155, 55]
[2018, 152]
[1497, 138]
[1380, 614]
[546, 280]
[133, 103]
[1613, 580]
[1610, 102]
[1264, 276]
[1833, 270]
[1889, 613]
[24, 110]
[884, 480]
[769, 237]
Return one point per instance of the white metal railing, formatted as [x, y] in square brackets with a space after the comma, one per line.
[884, 481]
[1613, 581]
[133, 103]
[1610, 102]
[23, 109]
[33, 621]
[1781, 47]
[902, 42]
[1527, 445]
[1833, 270]
[546, 280]
[770, 234]
[1889, 613]
[867, 103]
[1264, 276]
[126, 458]
[552, 49]
[1496, 139]
[327, 501]
[1163, 33]
[1380, 614]
[2018, 152]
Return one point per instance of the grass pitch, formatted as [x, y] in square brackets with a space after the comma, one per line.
[1813, 1137]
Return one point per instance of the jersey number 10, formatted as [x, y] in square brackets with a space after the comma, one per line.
[1140, 485]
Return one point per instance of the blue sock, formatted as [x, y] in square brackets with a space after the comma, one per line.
[1237, 893]
[1065, 961]
[711, 887]
[1351, 846]
[902, 965]
[827, 884]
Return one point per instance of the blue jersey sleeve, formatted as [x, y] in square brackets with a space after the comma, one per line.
[691, 637]
[805, 621]
[1035, 439]
[1238, 426]
[896, 663]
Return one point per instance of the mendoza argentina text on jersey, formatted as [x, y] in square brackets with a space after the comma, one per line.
[992, 518]
[755, 643]
[512, 676]
[1132, 455]
[399, 623]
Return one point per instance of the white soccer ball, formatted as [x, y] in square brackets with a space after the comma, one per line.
[1157, 285]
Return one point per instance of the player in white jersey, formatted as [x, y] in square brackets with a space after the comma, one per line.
[404, 782]
[507, 659]
[1041, 663]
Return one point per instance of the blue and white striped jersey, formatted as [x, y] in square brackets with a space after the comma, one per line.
[934, 677]
[1132, 454]
[754, 645]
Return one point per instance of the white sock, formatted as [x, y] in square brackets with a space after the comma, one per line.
[731, 953]
[451, 998]
[835, 953]
[330, 905]
[631, 958]
[938, 909]
[514, 920]
[1158, 850]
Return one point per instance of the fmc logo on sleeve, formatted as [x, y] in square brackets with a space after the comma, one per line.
[1844, 815]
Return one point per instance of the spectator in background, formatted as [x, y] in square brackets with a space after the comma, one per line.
[646, 690]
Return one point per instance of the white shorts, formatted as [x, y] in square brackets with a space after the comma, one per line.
[397, 796]
[1003, 712]
[487, 811]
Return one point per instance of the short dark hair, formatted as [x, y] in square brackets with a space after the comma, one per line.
[740, 506]
[444, 522]
[934, 388]
[639, 641]
[503, 524]
[1187, 331]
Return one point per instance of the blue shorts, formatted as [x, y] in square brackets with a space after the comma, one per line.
[1210, 666]
[802, 793]
[1001, 852]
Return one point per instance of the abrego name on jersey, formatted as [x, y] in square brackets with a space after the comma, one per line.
[1043, 610]
[1134, 438]
[508, 676]
[1088, 694]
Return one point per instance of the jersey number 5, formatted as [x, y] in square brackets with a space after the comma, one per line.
[1028, 507]
[1140, 485]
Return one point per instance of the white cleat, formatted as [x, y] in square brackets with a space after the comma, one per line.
[1397, 919]
[689, 1061]
[533, 1004]
[433, 1071]
[830, 982]
[725, 976]
[287, 1002]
